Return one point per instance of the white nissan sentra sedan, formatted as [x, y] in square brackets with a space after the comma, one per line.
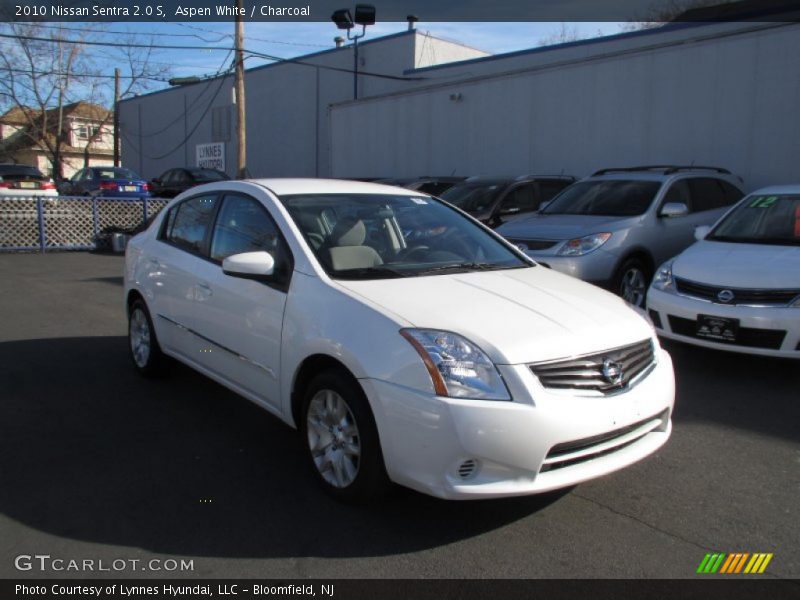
[738, 287]
[406, 341]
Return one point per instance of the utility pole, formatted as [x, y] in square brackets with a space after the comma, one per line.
[116, 118]
[241, 167]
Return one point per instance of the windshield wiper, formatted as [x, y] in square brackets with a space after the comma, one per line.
[369, 273]
[466, 267]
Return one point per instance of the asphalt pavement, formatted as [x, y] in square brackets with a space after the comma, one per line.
[97, 463]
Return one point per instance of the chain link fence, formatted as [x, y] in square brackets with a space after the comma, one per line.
[69, 223]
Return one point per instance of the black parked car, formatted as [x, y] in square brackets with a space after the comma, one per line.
[435, 186]
[173, 182]
[495, 200]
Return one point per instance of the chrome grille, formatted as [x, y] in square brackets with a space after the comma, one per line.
[598, 372]
[752, 297]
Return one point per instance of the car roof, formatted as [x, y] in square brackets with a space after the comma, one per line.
[778, 190]
[289, 186]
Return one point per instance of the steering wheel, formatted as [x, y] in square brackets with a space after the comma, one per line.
[409, 252]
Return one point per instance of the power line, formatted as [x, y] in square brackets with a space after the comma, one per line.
[257, 39]
[153, 34]
[82, 75]
[222, 79]
[33, 38]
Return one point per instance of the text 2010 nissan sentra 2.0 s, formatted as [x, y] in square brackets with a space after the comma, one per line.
[406, 341]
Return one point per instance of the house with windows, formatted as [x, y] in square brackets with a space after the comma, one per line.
[85, 131]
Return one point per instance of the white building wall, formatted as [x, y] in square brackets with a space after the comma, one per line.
[720, 94]
[287, 108]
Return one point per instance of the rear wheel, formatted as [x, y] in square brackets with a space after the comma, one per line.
[341, 438]
[631, 282]
[143, 343]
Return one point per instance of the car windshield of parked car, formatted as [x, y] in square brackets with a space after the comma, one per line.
[611, 198]
[207, 175]
[762, 219]
[372, 236]
[472, 198]
[115, 173]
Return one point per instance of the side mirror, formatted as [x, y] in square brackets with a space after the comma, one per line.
[674, 209]
[700, 233]
[249, 265]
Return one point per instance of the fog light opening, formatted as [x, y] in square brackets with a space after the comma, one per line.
[468, 469]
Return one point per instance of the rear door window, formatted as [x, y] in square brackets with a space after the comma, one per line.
[188, 223]
[707, 194]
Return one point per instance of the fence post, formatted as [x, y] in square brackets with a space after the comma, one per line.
[144, 210]
[42, 234]
[95, 221]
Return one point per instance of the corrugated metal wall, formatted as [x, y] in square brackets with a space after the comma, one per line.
[730, 98]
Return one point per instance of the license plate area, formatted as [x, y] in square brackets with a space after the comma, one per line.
[130, 188]
[720, 329]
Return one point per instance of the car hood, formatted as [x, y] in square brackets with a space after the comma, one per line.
[516, 316]
[561, 227]
[740, 265]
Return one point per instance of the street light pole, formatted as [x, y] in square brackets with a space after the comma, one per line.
[365, 15]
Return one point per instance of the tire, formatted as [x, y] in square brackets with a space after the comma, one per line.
[341, 440]
[631, 282]
[145, 352]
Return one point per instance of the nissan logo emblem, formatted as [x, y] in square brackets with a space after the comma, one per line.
[612, 371]
[725, 296]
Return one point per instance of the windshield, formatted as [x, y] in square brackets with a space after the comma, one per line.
[762, 220]
[611, 198]
[372, 236]
[472, 198]
[115, 173]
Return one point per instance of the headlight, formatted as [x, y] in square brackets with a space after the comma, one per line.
[663, 277]
[584, 245]
[458, 368]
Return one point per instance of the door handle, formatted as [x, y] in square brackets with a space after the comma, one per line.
[204, 288]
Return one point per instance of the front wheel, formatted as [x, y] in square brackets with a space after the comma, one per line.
[631, 282]
[341, 438]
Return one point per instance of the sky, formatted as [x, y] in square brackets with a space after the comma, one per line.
[288, 40]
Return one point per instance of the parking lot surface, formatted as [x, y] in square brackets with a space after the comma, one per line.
[96, 462]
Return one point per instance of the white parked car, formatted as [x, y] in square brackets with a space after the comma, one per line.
[738, 287]
[405, 340]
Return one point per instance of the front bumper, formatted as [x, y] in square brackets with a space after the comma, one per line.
[428, 440]
[596, 267]
[674, 315]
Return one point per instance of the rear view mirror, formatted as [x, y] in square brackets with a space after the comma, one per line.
[674, 209]
[509, 210]
[700, 233]
[249, 265]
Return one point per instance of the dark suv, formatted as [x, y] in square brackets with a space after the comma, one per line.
[496, 200]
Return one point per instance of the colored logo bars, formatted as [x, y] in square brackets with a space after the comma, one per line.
[741, 562]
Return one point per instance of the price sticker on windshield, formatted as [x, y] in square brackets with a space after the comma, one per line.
[763, 201]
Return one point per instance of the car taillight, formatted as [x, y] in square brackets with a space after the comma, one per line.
[108, 185]
[145, 187]
[6, 184]
[47, 185]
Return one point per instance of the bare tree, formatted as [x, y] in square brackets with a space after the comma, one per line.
[46, 69]
[564, 34]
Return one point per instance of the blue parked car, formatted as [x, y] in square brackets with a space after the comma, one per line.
[108, 182]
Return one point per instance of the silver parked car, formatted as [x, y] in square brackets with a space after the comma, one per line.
[614, 227]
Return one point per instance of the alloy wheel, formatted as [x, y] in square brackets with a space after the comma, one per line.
[333, 438]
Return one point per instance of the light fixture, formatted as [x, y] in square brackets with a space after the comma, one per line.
[365, 15]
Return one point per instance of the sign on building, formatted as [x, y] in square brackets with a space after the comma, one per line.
[211, 156]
